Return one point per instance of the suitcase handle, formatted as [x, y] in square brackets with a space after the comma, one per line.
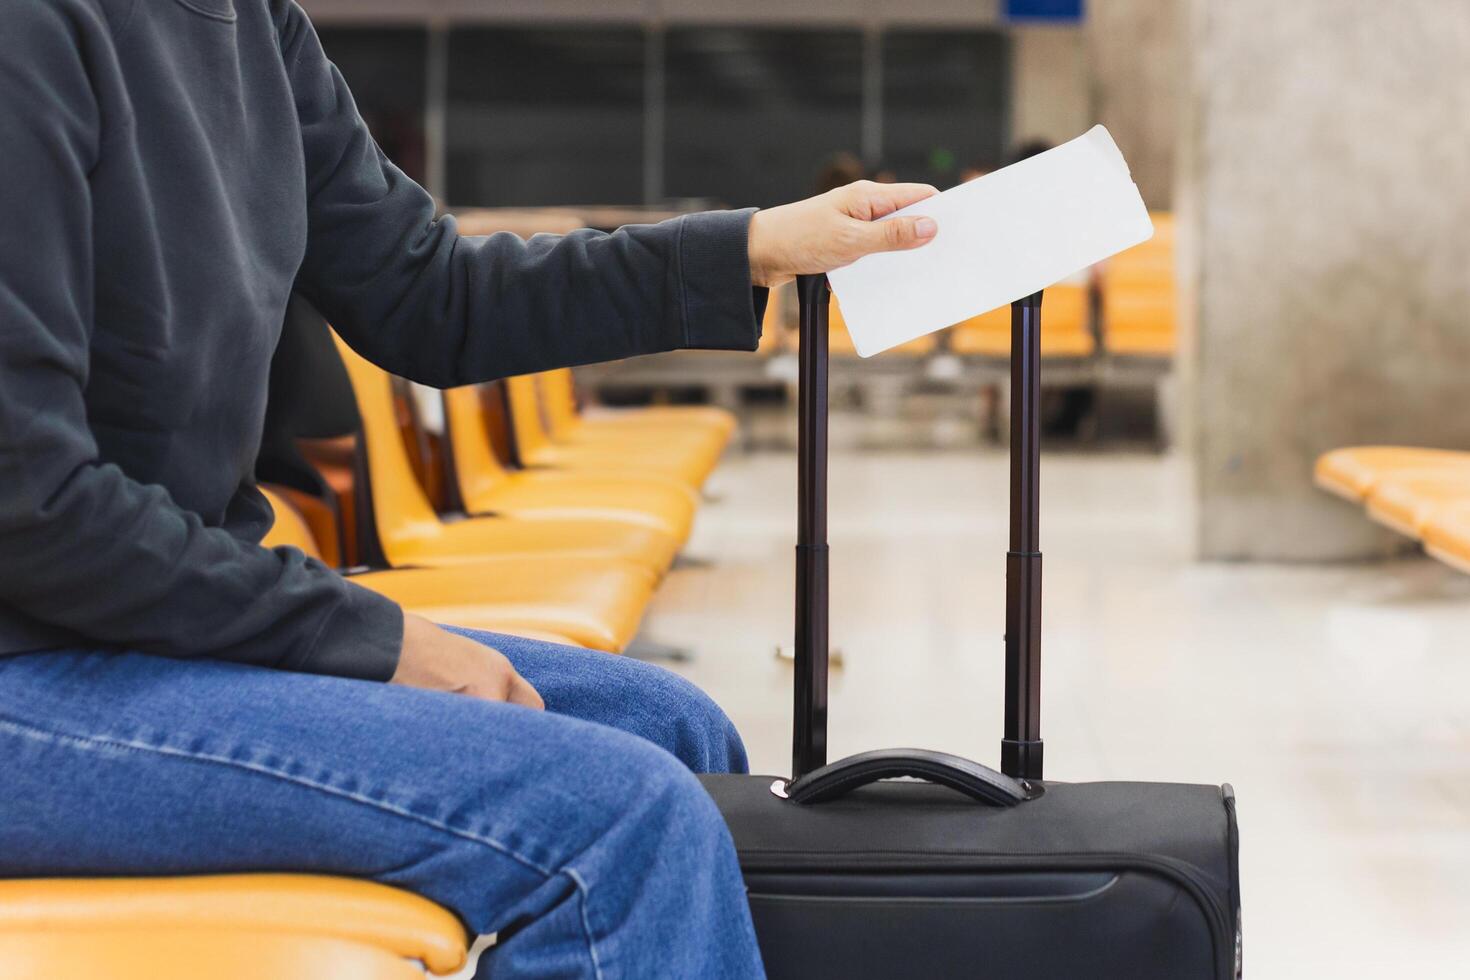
[976, 781]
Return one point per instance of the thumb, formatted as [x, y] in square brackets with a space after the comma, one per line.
[898, 234]
[521, 692]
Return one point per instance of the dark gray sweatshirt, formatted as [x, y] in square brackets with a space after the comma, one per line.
[169, 171]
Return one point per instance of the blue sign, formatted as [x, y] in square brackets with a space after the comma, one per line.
[1052, 10]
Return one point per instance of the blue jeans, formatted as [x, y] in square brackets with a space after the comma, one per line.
[578, 835]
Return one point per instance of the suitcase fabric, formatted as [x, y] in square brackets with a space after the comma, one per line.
[965, 871]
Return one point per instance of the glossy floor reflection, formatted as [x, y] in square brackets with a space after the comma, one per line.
[1335, 698]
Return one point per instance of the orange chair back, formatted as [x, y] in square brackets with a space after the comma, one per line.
[1138, 294]
[290, 528]
[559, 399]
[525, 417]
[477, 470]
[1066, 329]
[401, 512]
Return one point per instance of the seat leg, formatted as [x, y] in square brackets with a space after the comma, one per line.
[648, 649]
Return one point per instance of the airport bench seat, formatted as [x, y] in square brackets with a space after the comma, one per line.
[1352, 472]
[535, 597]
[225, 927]
[558, 397]
[1136, 291]
[1407, 502]
[1140, 324]
[408, 531]
[689, 459]
[666, 436]
[1064, 328]
[538, 596]
[487, 487]
[839, 341]
[1446, 535]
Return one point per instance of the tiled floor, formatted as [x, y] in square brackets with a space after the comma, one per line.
[1335, 698]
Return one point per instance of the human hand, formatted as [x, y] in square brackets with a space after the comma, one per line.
[437, 660]
[834, 229]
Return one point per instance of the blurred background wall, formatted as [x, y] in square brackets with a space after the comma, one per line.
[647, 101]
[1326, 178]
[1313, 153]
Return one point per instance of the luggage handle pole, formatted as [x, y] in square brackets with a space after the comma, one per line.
[1021, 748]
[809, 727]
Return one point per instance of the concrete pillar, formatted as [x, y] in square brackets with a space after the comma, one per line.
[1051, 97]
[1327, 178]
[1137, 89]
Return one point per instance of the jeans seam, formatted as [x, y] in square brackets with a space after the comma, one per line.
[90, 742]
[585, 890]
[25, 730]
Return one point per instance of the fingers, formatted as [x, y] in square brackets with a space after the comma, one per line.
[521, 692]
[869, 200]
[896, 234]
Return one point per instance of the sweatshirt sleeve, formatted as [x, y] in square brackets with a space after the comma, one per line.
[84, 548]
[411, 294]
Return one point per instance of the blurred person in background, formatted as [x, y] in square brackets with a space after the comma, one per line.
[176, 699]
[839, 170]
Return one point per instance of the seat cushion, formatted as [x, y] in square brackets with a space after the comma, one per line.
[539, 495]
[61, 919]
[1446, 535]
[476, 539]
[595, 603]
[689, 468]
[1406, 502]
[648, 440]
[1353, 471]
[704, 416]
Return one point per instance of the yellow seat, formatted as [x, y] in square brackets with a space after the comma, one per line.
[1353, 471]
[1065, 330]
[224, 927]
[1446, 535]
[666, 437]
[1407, 502]
[487, 487]
[1137, 294]
[559, 399]
[542, 597]
[688, 458]
[564, 419]
[410, 533]
[839, 341]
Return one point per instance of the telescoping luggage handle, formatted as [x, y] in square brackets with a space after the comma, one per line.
[813, 780]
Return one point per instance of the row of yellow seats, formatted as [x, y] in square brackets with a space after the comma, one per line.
[569, 551]
[1423, 494]
[1136, 299]
[570, 546]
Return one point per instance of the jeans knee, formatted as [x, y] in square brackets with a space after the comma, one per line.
[677, 801]
[700, 734]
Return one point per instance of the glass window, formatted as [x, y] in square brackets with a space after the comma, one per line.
[752, 114]
[946, 102]
[544, 116]
[385, 68]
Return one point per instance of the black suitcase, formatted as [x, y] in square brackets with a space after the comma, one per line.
[965, 871]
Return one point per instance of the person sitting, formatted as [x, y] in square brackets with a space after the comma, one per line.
[176, 699]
